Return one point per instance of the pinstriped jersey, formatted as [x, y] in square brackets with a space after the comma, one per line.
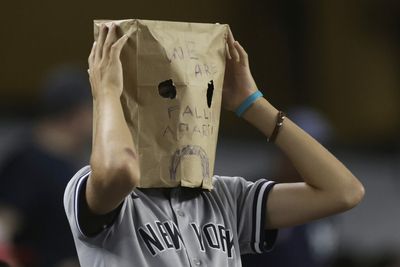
[187, 227]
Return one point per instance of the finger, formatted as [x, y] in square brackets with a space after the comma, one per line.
[232, 50]
[117, 47]
[228, 55]
[244, 58]
[110, 39]
[92, 55]
[100, 42]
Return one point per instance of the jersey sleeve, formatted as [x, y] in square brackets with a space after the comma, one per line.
[84, 224]
[250, 202]
[71, 199]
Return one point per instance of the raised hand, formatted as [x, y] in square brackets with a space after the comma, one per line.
[105, 69]
[238, 81]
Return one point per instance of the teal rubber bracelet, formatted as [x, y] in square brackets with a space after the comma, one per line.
[247, 103]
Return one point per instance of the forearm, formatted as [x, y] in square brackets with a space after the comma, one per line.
[114, 161]
[112, 140]
[317, 166]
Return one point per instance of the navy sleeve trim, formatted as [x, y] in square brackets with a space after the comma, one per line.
[262, 240]
[82, 180]
[88, 223]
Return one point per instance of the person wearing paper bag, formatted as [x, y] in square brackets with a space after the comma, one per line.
[114, 223]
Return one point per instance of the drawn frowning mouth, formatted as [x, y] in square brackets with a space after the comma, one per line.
[189, 150]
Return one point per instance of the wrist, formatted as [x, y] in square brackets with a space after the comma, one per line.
[247, 102]
[262, 115]
[104, 95]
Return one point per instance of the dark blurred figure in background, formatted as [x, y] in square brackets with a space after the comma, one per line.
[34, 176]
[313, 244]
[8, 225]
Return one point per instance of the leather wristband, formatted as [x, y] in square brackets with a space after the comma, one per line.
[279, 122]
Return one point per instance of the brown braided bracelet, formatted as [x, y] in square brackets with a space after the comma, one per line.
[279, 122]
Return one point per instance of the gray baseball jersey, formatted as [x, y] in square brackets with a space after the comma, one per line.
[186, 227]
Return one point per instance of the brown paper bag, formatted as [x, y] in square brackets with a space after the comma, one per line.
[173, 77]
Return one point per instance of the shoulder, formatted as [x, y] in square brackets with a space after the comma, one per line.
[240, 189]
[234, 184]
[221, 181]
[76, 181]
[72, 190]
[83, 222]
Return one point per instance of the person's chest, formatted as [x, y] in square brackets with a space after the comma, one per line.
[191, 222]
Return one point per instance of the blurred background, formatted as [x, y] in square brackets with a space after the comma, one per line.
[333, 65]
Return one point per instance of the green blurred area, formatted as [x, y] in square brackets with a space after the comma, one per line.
[341, 57]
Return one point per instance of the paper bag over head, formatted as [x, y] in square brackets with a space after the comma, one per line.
[173, 77]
